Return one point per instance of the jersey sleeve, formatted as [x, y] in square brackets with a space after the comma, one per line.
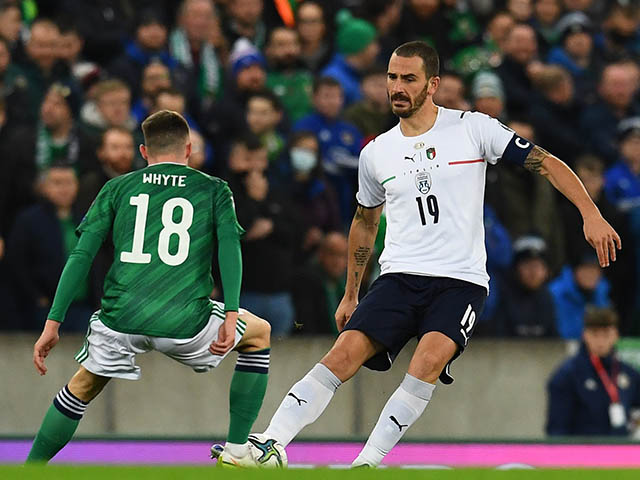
[494, 138]
[99, 218]
[225, 211]
[370, 191]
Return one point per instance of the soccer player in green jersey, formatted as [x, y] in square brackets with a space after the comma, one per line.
[164, 221]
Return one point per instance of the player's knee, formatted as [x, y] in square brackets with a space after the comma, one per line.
[341, 362]
[258, 333]
[428, 365]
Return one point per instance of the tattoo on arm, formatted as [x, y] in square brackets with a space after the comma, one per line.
[534, 160]
[362, 255]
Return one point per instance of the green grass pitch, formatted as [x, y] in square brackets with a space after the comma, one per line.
[201, 473]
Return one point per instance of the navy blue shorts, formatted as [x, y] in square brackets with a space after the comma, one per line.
[400, 306]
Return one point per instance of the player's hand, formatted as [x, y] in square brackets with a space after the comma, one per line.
[226, 335]
[344, 311]
[48, 339]
[603, 238]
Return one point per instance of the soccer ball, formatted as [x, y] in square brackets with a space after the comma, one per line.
[268, 452]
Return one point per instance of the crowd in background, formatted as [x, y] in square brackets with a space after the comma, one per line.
[281, 95]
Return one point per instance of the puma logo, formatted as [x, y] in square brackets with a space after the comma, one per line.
[299, 400]
[412, 157]
[400, 426]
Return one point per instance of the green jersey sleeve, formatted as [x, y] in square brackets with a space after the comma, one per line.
[228, 231]
[99, 218]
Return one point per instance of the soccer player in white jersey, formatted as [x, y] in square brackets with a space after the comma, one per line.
[429, 171]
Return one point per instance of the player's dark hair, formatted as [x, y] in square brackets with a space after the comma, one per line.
[165, 131]
[325, 82]
[427, 53]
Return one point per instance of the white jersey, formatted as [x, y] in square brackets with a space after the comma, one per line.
[433, 185]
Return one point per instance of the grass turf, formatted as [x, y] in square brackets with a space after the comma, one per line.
[54, 472]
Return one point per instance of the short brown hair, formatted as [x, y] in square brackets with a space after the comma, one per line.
[108, 86]
[165, 131]
[427, 53]
[595, 317]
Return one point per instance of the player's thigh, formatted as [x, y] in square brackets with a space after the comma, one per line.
[86, 385]
[257, 333]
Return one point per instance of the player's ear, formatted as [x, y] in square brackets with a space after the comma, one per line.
[143, 152]
[188, 151]
[432, 84]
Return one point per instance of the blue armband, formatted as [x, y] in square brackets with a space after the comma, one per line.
[517, 150]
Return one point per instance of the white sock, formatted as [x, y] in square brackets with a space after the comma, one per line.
[304, 403]
[403, 408]
[237, 450]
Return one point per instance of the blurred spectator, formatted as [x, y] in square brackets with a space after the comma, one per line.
[70, 47]
[617, 89]
[593, 392]
[285, 77]
[198, 150]
[155, 77]
[499, 256]
[384, 15]
[340, 142]
[226, 119]
[451, 92]
[264, 113]
[372, 115]
[42, 66]
[489, 52]
[36, 265]
[576, 52]
[191, 45]
[18, 169]
[104, 25]
[315, 199]
[357, 50]
[622, 180]
[58, 140]
[319, 286]
[115, 153]
[272, 232]
[554, 115]
[526, 203]
[149, 44]
[110, 107]
[623, 272]
[546, 14]
[526, 306]
[245, 20]
[621, 31]
[425, 20]
[520, 10]
[313, 30]
[488, 95]
[10, 24]
[518, 66]
[13, 86]
[173, 99]
[579, 284]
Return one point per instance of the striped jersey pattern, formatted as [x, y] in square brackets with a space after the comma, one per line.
[163, 220]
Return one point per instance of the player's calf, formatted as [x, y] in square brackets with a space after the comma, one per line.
[64, 415]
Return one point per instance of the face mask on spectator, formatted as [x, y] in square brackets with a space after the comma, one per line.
[303, 160]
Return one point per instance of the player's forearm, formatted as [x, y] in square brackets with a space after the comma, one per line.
[563, 179]
[75, 272]
[230, 263]
[361, 239]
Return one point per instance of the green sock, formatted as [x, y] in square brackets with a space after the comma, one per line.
[59, 425]
[248, 385]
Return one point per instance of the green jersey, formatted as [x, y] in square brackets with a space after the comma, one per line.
[164, 220]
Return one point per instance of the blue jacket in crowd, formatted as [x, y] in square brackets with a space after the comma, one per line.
[570, 302]
[578, 401]
[622, 186]
[347, 76]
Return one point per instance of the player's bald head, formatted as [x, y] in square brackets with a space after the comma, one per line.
[165, 132]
